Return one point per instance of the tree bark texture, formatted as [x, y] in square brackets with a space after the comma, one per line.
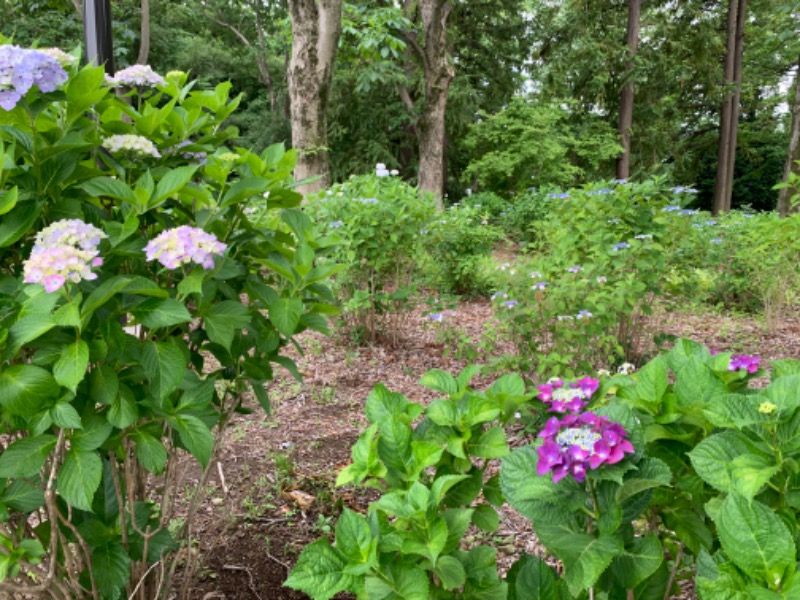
[626, 96]
[729, 111]
[144, 37]
[316, 27]
[438, 74]
[793, 155]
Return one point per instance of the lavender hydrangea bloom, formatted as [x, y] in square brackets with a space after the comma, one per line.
[540, 285]
[743, 361]
[64, 251]
[183, 245]
[136, 76]
[135, 144]
[510, 303]
[578, 443]
[21, 69]
[575, 269]
[620, 246]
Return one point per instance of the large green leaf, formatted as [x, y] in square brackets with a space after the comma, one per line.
[530, 578]
[80, 477]
[164, 364]
[735, 411]
[71, 366]
[23, 496]
[399, 582]
[195, 435]
[111, 569]
[756, 539]
[172, 182]
[585, 557]
[638, 562]
[155, 313]
[652, 381]
[25, 388]
[285, 314]
[711, 457]
[355, 541]
[450, 572]
[103, 384]
[696, 384]
[109, 187]
[440, 381]
[751, 472]
[320, 572]
[222, 321]
[150, 451]
[784, 392]
[25, 457]
[491, 444]
[18, 222]
[650, 473]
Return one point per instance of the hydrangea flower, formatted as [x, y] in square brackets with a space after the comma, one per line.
[183, 245]
[671, 208]
[561, 196]
[436, 317]
[575, 269]
[563, 397]
[716, 240]
[136, 76]
[743, 361]
[21, 69]
[688, 211]
[135, 144]
[620, 246]
[536, 275]
[644, 236]
[368, 200]
[711, 222]
[201, 156]
[602, 279]
[510, 303]
[336, 224]
[64, 251]
[497, 295]
[577, 443]
[583, 314]
[540, 285]
[626, 368]
[64, 59]
[381, 170]
[767, 408]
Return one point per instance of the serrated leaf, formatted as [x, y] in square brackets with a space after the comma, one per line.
[164, 364]
[712, 456]
[751, 472]
[450, 572]
[150, 452]
[103, 384]
[440, 381]
[156, 313]
[639, 562]
[70, 368]
[355, 541]
[123, 411]
[23, 496]
[25, 457]
[79, 478]
[320, 571]
[735, 410]
[652, 381]
[111, 569]
[25, 388]
[485, 517]
[651, 473]
[222, 321]
[491, 444]
[65, 416]
[195, 435]
[530, 578]
[285, 314]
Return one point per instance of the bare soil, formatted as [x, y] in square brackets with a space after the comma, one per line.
[273, 490]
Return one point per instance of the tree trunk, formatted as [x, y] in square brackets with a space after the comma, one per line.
[316, 26]
[438, 74]
[626, 97]
[729, 112]
[144, 37]
[793, 155]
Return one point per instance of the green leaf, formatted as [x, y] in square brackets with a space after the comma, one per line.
[712, 456]
[18, 222]
[401, 582]
[651, 473]
[320, 572]
[355, 541]
[26, 457]
[440, 381]
[150, 451]
[111, 569]
[79, 478]
[195, 435]
[223, 320]
[70, 368]
[735, 411]
[8, 199]
[65, 416]
[102, 294]
[25, 388]
[751, 472]
[193, 282]
[696, 385]
[68, 315]
[651, 381]
[450, 572]
[285, 314]
[491, 444]
[23, 496]
[95, 432]
[109, 187]
[785, 392]
[486, 518]
[784, 367]
[124, 410]
[530, 578]
[755, 539]
[585, 557]
[103, 384]
[172, 182]
[383, 405]
[164, 364]
[155, 313]
[639, 562]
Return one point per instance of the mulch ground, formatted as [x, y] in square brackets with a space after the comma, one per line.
[273, 491]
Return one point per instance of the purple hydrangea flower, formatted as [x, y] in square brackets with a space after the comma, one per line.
[620, 246]
[498, 295]
[561, 196]
[136, 76]
[716, 240]
[183, 245]
[563, 397]
[671, 208]
[64, 251]
[510, 303]
[688, 211]
[336, 224]
[539, 285]
[583, 314]
[436, 317]
[21, 69]
[711, 222]
[575, 269]
[577, 443]
[743, 361]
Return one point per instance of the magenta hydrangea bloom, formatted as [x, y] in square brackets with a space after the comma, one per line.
[743, 361]
[23, 68]
[572, 397]
[577, 443]
[182, 245]
[64, 251]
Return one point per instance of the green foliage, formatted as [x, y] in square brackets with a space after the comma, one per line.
[532, 143]
[379, 222]
[107, 381]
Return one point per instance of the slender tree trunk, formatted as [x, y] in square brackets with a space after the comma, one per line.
[144, 37]
[626, 97]
[316, 26]
[793, 155]
[729, 111]
[438, 75]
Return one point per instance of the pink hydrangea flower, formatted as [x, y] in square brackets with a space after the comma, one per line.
[743, 361]
[182, 245]
[572, 397]
[578, 443]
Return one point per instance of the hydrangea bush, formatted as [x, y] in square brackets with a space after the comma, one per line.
[678, 470]
[141, 301]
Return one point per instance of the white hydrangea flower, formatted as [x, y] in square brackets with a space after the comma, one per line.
[135, 144]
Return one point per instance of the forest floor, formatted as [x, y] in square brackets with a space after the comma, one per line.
[273, 491]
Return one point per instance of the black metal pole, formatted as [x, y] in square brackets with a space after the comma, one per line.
[97, 33]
